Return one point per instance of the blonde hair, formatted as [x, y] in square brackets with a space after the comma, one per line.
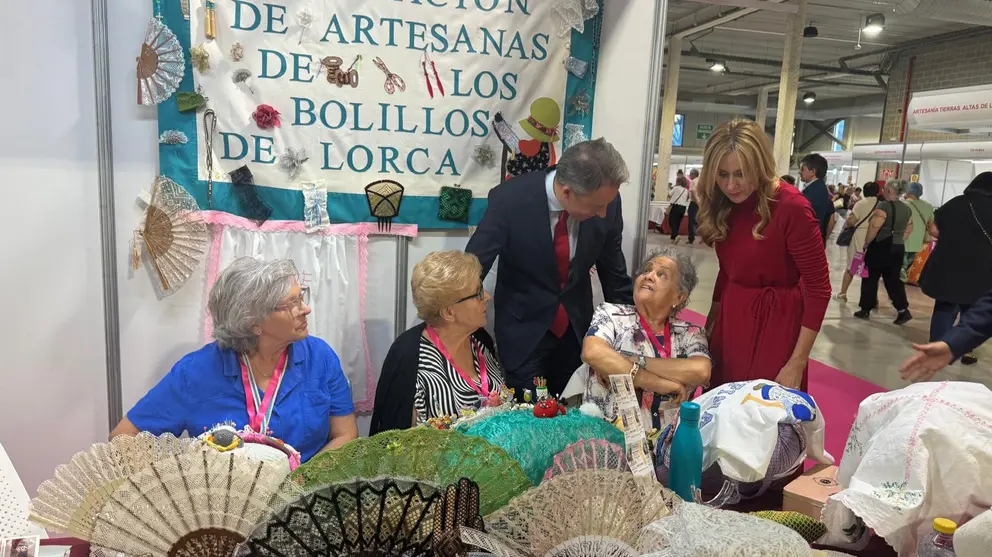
[752, 146]
[438, 280]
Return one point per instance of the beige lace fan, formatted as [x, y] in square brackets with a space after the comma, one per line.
[173, 233]
[69, 501]
[565, 513]
[201, 504]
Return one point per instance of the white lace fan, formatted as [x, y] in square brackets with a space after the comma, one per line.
[161, 64]
[200, 504]
[173, 233]
[69, 501]
[586, 512]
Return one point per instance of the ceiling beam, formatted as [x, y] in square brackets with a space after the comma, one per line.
[694, 27]
[775, 79]
[694, 53]
[756, 4]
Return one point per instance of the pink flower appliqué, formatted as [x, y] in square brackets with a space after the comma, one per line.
[266, 116]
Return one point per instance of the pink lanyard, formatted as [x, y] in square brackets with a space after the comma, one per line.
[260, 411]
[483, 389]
[658, 346]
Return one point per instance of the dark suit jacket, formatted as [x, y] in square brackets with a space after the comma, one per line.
[973, 329]
[394, 393]
[517, 228]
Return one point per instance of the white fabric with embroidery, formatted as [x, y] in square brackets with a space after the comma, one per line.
[913, 454]
[699, 531]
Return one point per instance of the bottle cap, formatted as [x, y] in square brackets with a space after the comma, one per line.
[944, 525]
[689, 411]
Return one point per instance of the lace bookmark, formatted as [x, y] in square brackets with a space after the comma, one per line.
[315, 206]
[251, 204]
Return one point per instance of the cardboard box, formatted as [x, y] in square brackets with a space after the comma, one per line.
[808, 493]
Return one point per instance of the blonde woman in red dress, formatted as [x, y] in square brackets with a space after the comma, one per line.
[774, 284]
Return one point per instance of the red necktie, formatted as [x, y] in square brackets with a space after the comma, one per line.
[560, 322]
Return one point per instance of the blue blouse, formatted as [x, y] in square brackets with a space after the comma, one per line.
[204, 389]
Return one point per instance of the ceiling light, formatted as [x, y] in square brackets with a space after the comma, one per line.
[811, 32]
[717, 65]
[808, 98]
[874, 24]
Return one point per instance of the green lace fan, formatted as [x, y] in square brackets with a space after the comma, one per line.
[441, 457]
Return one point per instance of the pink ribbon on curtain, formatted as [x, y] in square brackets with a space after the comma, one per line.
[362, 231]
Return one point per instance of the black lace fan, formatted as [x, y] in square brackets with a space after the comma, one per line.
[459, 506]
[382, 517]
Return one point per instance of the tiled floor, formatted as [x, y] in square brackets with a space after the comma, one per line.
[870, 350]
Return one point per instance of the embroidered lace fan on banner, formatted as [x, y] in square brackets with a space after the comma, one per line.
[173, 234]
[694, 530]
[161, 64]
[382, 516]
[585, 503]
[588, 454]
[69, 501]
[440, 457]
[200, 504]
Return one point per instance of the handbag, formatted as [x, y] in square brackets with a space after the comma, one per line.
[454, 203]
[846, 236]
[858, 267]
[919, 262]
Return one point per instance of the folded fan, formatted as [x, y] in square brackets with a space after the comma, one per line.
[70, 500]
[441, 457]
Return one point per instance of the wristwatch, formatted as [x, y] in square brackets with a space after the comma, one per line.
[641, 361]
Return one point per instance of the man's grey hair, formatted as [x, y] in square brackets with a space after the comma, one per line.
[688, 277]
[899, 185]
[588, 165]
[244, 295]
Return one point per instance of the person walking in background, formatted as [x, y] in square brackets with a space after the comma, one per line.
[693, 204]
[812, 171]
[789, 179]
[858, 219]
[889, 226]
[679, 198]
[922, 219]
[959, 271]
[762, 322]
[974, 328]
[548, 229]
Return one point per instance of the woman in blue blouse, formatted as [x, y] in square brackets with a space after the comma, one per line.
[263, 371]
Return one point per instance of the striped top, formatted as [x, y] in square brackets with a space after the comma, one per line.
[441, 391]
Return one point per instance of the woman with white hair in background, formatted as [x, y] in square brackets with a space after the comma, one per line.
[263, 370]
[663, 354]
[890, 225]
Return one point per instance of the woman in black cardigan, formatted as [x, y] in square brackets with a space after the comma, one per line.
[448, 363]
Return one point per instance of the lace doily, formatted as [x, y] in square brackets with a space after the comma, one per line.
[572, 14]
[699, 531]
[533, 442]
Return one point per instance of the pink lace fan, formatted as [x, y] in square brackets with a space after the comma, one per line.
[588, 454]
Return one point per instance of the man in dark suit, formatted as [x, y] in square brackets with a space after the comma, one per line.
[973, 329]
[812, 171]
[548, 229]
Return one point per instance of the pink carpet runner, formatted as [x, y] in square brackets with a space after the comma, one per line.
[836, 393]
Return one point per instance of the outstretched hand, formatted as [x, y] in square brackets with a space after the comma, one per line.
[928, 360]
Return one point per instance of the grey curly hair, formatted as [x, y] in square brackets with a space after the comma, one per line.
[688, 277]
[244, 295]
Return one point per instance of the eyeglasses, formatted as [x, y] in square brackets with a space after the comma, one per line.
[295, 307]
[480, 295]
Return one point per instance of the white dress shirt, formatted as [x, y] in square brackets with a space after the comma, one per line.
[554, 210]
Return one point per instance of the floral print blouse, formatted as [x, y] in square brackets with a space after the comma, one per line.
[619, 326]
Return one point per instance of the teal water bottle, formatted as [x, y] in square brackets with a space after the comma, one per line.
[686, 457]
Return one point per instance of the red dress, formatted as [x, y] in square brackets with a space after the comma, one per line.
[763, 304]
